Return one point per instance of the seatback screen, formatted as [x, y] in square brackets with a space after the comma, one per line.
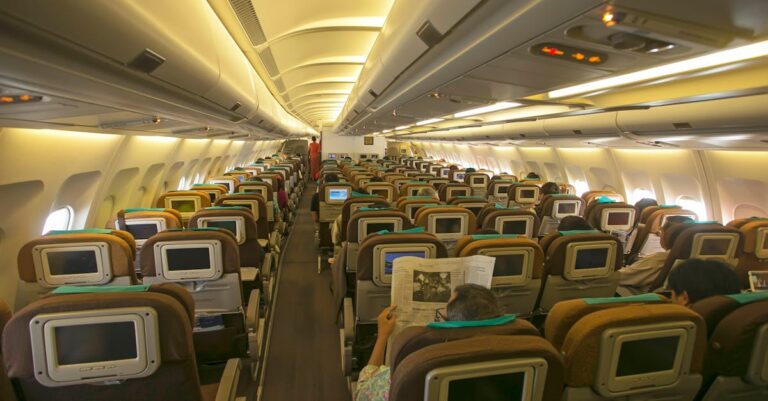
[514, 227]
[508, 265]
[647, 356]
[502, 189]
[591, 258]
[183, 206]
[180, 259]
[230, 225]
[566, 208]
[460, 176]
[504, 387]
[527, 193]
[389, 258]
[448, 225]
[380, 192]
[376, 227]
[338, 194]
[90, 343]
[458, 192]
[62, 263]
[618, 218]
[715, 246]
[478, 180]
[141, 231]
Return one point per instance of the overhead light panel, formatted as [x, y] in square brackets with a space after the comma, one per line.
[404, 127]
[715, 59]
[386, 131]
[486, 109]
[430, 121]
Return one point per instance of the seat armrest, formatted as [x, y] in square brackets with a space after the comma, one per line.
[229, 380]
[266, 264]
[349, 320]
[252, 312]
[249, 273]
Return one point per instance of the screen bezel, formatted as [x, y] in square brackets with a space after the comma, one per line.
[379, 252]
[239, 223]
[698, 242]
[458, 176]
[449, 192]
[481, 185]
[432, 225]
[527, 272]
[370, 188]
[158, 221]
[44, 355]
[230, 183]
[328, 190]
[437, 381]
[216, 261]
[525, 200]
[571, 273]
[445, 172]
[362, 225]
[102, 275]
[605, 214]
[253, 205]
[761, 237]
[261, 190]
[499, 224]
[170, 199]
[556, 208]
[497, 192]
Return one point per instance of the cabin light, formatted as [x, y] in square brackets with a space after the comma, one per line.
[733, 55]
[430, 121]
[487, 109]
[403, 127]
[17, 99]
[728, 138]
[611, 18]
[386, 131]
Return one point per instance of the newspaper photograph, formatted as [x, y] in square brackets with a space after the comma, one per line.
[420, 286]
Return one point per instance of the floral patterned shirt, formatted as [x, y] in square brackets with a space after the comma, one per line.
[373, 384]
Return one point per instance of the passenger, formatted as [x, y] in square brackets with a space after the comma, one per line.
[315, 204]
[696, 279]
[282, 197]
[314, 158]
[428, 192]
[549, 188]
[532, 176]
[639, 276]
[468, 302]
[573, 223]
[644, 203]
[470, 170]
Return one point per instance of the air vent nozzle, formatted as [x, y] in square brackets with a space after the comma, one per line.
[146, 61]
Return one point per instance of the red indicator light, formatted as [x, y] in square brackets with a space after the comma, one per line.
[553, 51]
[6, 99]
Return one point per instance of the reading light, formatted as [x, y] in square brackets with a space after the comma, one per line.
[487, 109]
[430, 121]
[733, 55]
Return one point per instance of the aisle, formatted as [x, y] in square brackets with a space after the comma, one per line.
[303, 362]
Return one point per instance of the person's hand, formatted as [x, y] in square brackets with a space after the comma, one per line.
[387, 320]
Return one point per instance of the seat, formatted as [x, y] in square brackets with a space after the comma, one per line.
[92, 349]
[735, 361]
[481, 368]
[229, 181]
[242, 175]
[579, 264]
[472, 203]
[6, 389]
[448, 223]
[412, 188]
[257, 205]
[517, 272]
[591, 196]
[411, 205]
[383, 189]
[509, 221]
[352, 205]
[76, 258]
[331, 198]
[616, 218]
[705, 240]
[478, 182]
[554, 208]
[645, 238]
[265, 190]
[452, 190]
[498, 191]
[214, 191]
[143, 223]
[457, 176]
[185, 202]
[754, 247]
[635, 348]
[368, 221]
[206, 262]
[523, 195]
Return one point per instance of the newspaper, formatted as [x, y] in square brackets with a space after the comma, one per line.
[422, 286]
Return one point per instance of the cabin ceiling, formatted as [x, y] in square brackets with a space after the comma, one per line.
[309, 52]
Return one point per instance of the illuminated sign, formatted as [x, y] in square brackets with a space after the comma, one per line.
[568, 53]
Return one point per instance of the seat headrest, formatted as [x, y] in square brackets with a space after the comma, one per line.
[354, 221]
[229, 249]
[244, 213]
[422, 216]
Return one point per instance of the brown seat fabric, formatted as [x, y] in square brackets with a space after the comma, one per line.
[365, 254]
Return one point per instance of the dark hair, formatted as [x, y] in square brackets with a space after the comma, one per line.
[470, 170]
[644, 203]
[673, 220]
[703, 278]
[473, 302]
[330, 178]
[487, 231]
[361, 190]
[376, 178]
[550, 188]
[380, 205]
[314, 139]
[570, 223]
[533, 176]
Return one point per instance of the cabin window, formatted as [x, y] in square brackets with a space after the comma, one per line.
[197, 179]
[689, 203]
[581, 186]
[641, 193]
[747, 210]
[59, 219]
[183, 183]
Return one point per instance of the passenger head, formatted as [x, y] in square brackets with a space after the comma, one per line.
[550, 188]
[671, 222]
[470, 170]
[570, 223]
[331, 178]
[644, 203]
[427, 192]
[487, 231]
[472, 302]
[376, 178]
[696, 279]
[532, 176]
[314, 139]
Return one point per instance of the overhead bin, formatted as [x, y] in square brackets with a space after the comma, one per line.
[740, 113]
[599, 124]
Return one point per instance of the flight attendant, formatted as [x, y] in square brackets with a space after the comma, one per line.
[314, 158]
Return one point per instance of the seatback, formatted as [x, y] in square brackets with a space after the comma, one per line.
[143, 223]
[257, 206]
[452, 190]
[245, 229]
[610, 216]
[425, 374]
[185, 202]
[241, 175]
[351, 205]
[652, 219]
[6, 389]
[265, 190]
[700, 241]
[229, 181]
[332, 197]
[517, 270]
[383, 189]
[374, 266]
[472, 203]
[511, 221]
[734, 364]
[412, 188]
[412, 204]
[478, 182]
[498, 191]
[446, 222]
[620, 351]
[591, 196]
[579, 264]
[554, 208]
[414, 338]
[214, 191]
[754, 247]
[76, 257]
[166, 358]
[457, 176]
[205, 261]
[365, 222]
[523, 194]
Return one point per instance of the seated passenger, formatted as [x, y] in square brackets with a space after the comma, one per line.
[428, 192]
[469, 302]
[696, 279]
[315, 204]
[549, 188]
[573, 223]
[487, 231]
[282, 198]
[533, 176]
[644, 203]
[639, 276]
[470, 170]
